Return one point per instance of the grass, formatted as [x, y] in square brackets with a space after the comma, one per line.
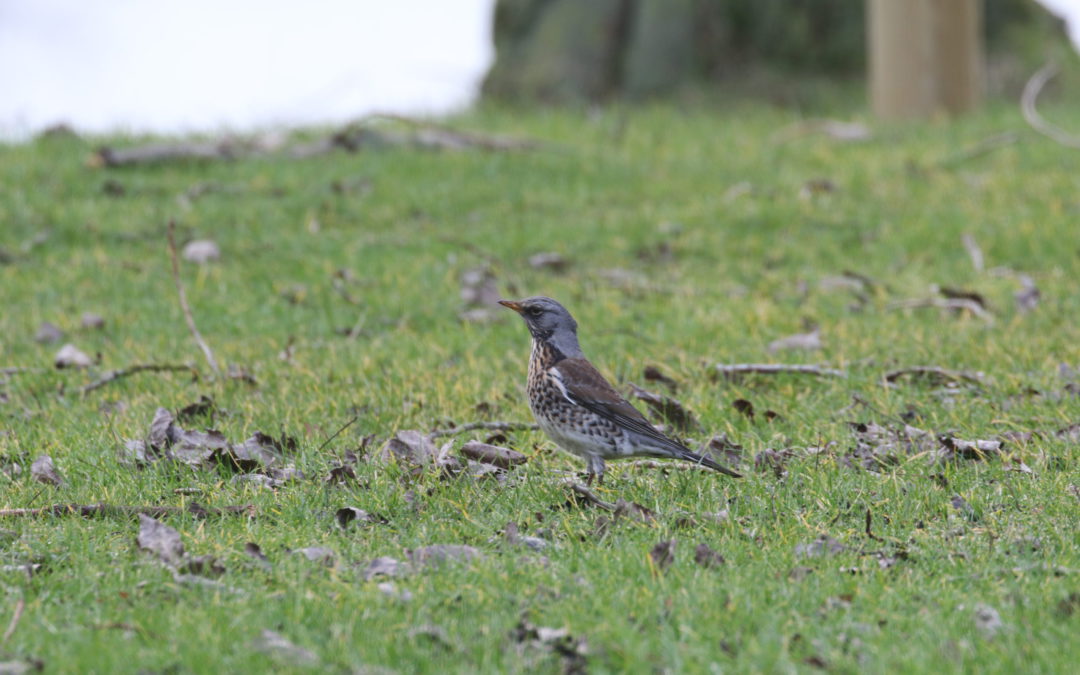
[709, 274]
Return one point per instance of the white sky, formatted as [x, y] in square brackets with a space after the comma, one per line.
[182, 65]
[171, 65]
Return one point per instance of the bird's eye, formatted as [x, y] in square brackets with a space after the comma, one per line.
[534, 311]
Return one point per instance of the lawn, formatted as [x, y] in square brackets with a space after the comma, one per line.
[864, 536]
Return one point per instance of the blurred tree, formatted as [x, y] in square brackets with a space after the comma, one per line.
[565, 50]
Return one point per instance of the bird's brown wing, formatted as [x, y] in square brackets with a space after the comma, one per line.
[584, 385]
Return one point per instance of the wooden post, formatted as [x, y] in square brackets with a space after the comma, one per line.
[924, 56]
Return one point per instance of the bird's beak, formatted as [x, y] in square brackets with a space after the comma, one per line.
[516, 306]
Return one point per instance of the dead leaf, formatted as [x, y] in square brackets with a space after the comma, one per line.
[1027, 298]
[384, 566]
[257, 452]
[573, 651]
[204, 406]
[92, 321]
[279, 648]
[723, 449]
[810, 341]
[437, 554]
[21, 667]
[514, 538]
[633, 511]
[817, 186]
[161, 540]
[255, 551]
[669, 409]
[160, 428]
[774, 460]
[654, 374]
[350, 514]
[48, 333]
[821, 546]
[663, 554]
[390, 590]
[43, 471]
[987, 620]
[743, 406]
[201, 251]
[316, 554]
[707, 557]
[952, 448]
[479, 288]
[548, 261]
[963, 294]
[504, 458]
[71, 356]
[409, 447]
[973, 251]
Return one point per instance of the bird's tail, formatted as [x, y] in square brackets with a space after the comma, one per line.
[705, 461]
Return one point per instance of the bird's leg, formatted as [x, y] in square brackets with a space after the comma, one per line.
[589, 478]
[596, 469]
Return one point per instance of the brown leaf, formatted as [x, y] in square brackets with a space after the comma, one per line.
[258, 451]
[663, 554]
[204, 406]
[504, 458]
[670, 410]
[549, 261]
[723, 449]
[437, 554]
[952, 448]
[963, 294]
[161, 540]
[743, 406]
[409, 447]
[92, 321]
[255, 551]
[160, 429]
[388, 567]
[350, 514]
[633, 511]
[71, 356]
[43, 471]
[654, 374]
[48, 333]
[707, 557]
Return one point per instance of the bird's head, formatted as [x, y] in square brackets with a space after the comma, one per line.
[545, 318]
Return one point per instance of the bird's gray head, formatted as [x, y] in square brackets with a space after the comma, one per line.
[548, 321]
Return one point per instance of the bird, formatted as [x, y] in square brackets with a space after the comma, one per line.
[577, 407]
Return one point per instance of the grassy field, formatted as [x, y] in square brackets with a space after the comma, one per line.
[691, 237]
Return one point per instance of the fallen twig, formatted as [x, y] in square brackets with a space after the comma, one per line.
[590, 496]
[156, 153]
[959, 304]
[102, 509]
[1032, 90]
[119, 373]
[937, 373]
[488, 426]
[736, 369]
[20, 605]
[184, 303]
[973, 251]
[337, 433]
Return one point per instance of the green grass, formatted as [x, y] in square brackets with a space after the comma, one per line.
[610, 189]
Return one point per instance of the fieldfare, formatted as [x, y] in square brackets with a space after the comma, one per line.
[576, 407]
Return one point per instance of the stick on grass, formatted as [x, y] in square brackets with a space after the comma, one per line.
[184, 303]
[120, 373]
